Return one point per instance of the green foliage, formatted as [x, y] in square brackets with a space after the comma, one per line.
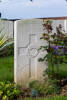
[46, 88]
[56, 47]
[6, 45]
[57, 43]
[7, 51]
[53, 75]
[62, 71]
[34, 84]
[4, 40]
[8, 91]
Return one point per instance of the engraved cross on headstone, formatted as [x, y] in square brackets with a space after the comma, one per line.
[31, 49]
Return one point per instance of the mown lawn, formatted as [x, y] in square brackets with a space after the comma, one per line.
[7, 68]
[51, 98]
[62, 70]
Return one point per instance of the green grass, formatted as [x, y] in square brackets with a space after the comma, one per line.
[51, 98]
[62, 70]
[7, 68]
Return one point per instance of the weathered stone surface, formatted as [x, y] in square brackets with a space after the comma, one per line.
[27, 43]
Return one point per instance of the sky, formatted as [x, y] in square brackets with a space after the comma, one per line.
[23, 9]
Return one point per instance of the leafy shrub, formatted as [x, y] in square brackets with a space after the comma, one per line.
[56, 47]
[46, 88]
[8, 91]
[7, 51]
[6, 44]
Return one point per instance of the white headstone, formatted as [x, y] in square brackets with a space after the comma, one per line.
[6, 27]
[27, 42]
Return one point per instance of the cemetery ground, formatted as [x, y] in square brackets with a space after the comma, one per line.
[7, 76]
